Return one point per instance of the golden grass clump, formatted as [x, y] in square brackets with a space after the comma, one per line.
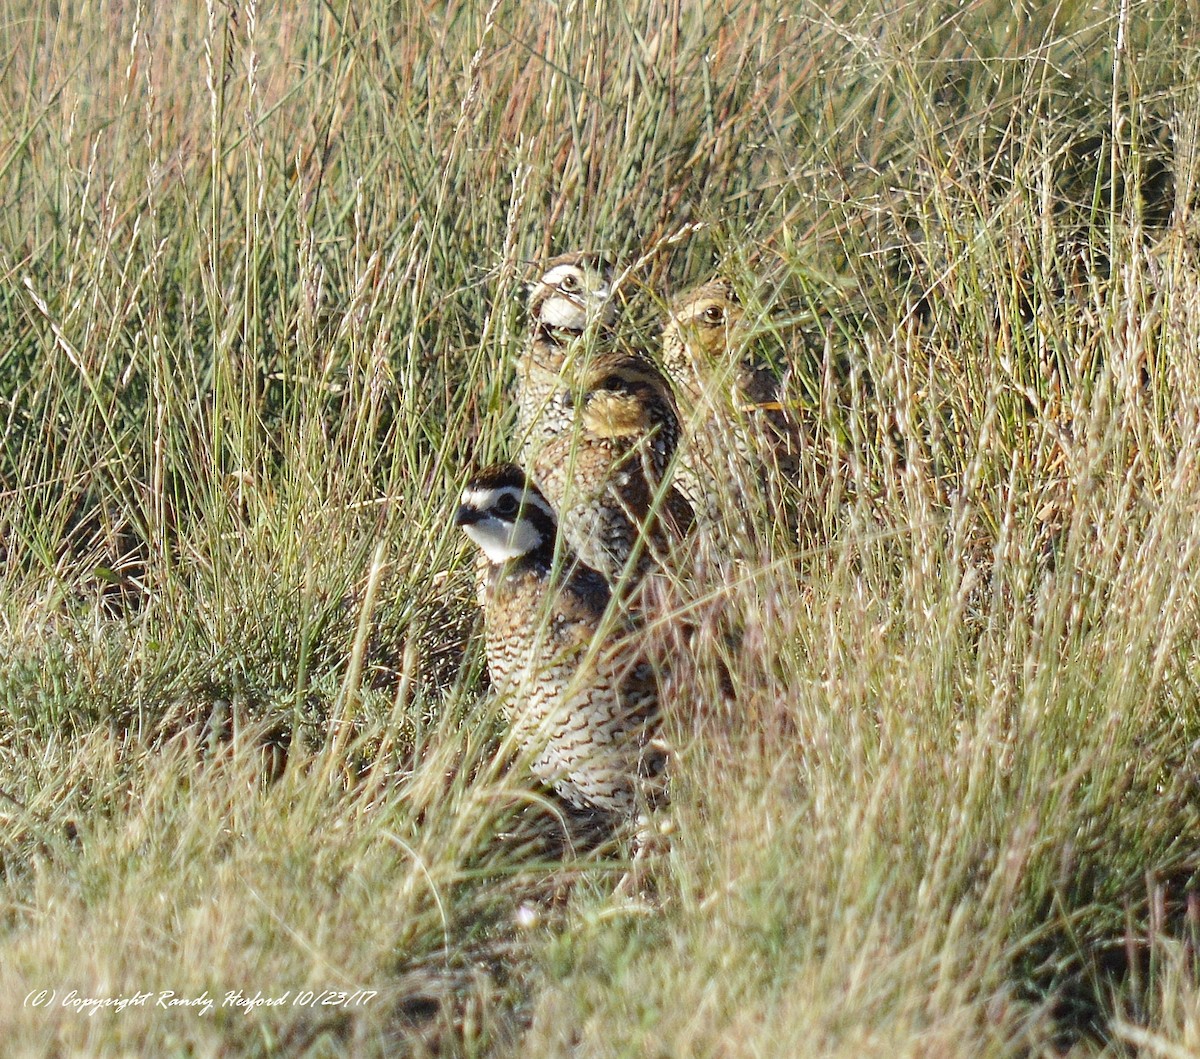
[259, 308]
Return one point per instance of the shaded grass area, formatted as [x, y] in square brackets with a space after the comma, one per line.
[259, 308]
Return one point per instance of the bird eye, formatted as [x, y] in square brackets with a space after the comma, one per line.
[569, 283]
[506, 505]
[714, 314]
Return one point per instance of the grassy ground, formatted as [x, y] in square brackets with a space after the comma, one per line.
[258, 313]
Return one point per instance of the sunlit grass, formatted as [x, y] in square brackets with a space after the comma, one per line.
[260, 275]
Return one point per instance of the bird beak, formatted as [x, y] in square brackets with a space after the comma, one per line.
[466, 516]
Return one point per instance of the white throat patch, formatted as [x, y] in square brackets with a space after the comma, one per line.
[502, 538]
[502, 541]
[559, 311]
[575, 310]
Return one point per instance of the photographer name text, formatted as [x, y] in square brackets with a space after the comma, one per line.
[203, 1004]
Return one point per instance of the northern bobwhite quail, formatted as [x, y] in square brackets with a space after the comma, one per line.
[604, 472]
[736, 425]
[573, 294]
[579, 693]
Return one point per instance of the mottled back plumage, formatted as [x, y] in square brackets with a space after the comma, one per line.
[582, 700]
[603, 474]
[734, 408]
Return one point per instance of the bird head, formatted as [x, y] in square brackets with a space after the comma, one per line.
[505, 514]
[573, 292]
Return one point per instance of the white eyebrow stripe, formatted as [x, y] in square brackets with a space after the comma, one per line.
[688, 313]
[485, 499]
[560, 272]
[479, 499]
[535, 500]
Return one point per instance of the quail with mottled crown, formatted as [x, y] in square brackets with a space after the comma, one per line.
[598, 424]
[733, 407]
[579, 694]
[573, 294]
[604, 474]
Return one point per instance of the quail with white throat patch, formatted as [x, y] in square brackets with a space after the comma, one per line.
[579, 695]
[572, 296]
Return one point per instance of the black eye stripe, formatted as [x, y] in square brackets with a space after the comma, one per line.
[503, 492]
[513, 504]
[532, 510]
[541, 520]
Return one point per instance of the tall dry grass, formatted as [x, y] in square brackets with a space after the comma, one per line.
[259, 308]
